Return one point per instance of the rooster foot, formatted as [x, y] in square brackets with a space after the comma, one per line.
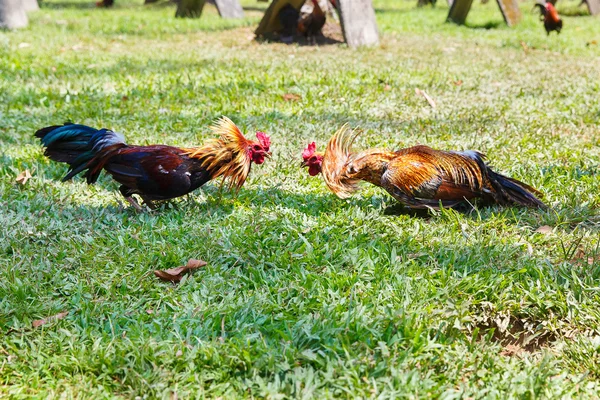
[149, 203]
[134, 203]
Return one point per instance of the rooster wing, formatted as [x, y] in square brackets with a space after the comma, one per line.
[422, 177]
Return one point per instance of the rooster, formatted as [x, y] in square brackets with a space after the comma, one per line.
[419, 176]
[155, 172]
[105, 3]
[549, 15]
[310, 25]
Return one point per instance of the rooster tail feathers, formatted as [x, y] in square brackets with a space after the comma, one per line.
[516, 191]
[76, 144]
[64, 143]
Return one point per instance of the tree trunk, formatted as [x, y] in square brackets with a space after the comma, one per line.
[12, 14]
[593, 6]
[189, 8]
[358, 22]
[459, 10]
[31, 5]
[229, 8]
[510, 11]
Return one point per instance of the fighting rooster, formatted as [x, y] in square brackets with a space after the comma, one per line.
[155, 172]
[418, 177]
[549, 15]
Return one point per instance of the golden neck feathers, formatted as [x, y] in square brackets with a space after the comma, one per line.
[227, 155]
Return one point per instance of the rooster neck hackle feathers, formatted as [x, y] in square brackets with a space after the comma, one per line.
[341, 168]
[225, 156]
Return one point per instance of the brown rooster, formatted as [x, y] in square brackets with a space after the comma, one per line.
[311, 24]
[419, 176]
[155, 172]
[549, 15]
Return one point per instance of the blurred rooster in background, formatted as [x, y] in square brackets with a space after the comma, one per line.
[549, 15]
[418, 177]
[155, 172]
[310, 25]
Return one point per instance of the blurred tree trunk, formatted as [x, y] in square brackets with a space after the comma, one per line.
[229, 8]
[12, 14]
[459, 10]
[190, 8]
[593, 6]
[31, 5]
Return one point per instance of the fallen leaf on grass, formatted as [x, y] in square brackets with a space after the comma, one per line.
[545, 229]
[458, 83]
[426, 96]
[176, 274]
[39, 322]
[524, 46]
[291, 97]
[581, 258]
[386, 86]
[23, 177]
[511, 350]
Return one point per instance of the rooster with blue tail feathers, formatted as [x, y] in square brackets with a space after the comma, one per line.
[155, 172]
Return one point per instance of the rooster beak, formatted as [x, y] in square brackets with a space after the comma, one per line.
[303, 164]
[268, 154]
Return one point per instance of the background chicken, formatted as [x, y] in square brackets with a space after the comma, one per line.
[155, 172]
[549, 15]
[310, 25]
[419, 176]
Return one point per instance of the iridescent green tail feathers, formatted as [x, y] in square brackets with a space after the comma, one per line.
[75, 144]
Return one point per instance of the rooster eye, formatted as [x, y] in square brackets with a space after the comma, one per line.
[313, 159]
[256, 147]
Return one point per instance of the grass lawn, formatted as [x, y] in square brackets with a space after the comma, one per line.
[304, 295]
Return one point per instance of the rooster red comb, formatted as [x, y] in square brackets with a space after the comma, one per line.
[309, 151]
[264, 140]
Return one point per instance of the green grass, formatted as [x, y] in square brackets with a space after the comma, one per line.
[305, 295]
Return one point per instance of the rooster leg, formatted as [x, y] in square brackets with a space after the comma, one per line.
[148, 202]
[134, 203]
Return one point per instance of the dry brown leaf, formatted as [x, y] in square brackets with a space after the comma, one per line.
[23, 177]
[581, 258]
[426, 96]
[458, 83]
[292, 97]
[176, 274]
[39, 322]
[511, 350]
[545, 229]
[524, 46]
[193, 263]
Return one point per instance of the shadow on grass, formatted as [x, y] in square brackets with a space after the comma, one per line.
[300, 40]
[486, 26]
[575, 12]
[253, 8]
[55, 5]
